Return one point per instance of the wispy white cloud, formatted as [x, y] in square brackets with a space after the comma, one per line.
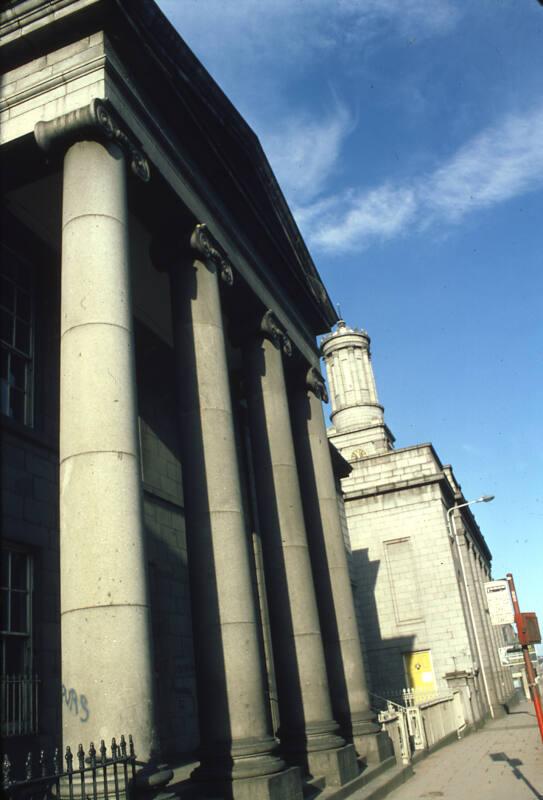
[255, 50]
[342, 222]
[499, 163]
[239, 40]
[305, 150]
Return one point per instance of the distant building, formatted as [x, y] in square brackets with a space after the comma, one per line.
[410, 591]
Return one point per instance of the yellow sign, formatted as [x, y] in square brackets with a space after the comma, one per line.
[419, 671]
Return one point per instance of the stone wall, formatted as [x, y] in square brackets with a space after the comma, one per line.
[167, 552]
[407, 590]
[53, 84]
[29, 488]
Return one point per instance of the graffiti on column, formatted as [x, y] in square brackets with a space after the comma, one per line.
[77, 703]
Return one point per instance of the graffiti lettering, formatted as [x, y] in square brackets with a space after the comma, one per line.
[77, 703]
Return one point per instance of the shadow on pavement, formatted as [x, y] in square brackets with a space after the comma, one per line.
[515, 763]
[507, 711]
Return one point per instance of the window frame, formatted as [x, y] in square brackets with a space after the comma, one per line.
[7, 551]
[10, 348]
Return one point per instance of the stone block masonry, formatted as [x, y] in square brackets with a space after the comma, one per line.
[408, 582]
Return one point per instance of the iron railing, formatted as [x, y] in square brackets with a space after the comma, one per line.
[19, 694]
[422, 718]
[86, 776]
[409, 696]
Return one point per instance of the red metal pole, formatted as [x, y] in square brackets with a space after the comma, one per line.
[534, 689]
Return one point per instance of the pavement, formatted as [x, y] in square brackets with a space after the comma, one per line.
[501, 761]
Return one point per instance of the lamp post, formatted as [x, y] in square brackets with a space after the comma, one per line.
[486, 498]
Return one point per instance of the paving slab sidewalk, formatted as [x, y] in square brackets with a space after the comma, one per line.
[501, 761]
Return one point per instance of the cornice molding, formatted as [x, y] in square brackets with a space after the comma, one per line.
[203, 241]
[97, 122]
[397, 486]
[94, 65]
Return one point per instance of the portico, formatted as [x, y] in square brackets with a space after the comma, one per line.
[176, 248]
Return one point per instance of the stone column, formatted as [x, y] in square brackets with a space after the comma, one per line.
[348, 687]
[107, 669]
[237, 751]
[308, 732]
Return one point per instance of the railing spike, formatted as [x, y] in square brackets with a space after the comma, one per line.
[103, 751]
[123, 746]
[28, 767]
[92, 754]
[114, 749]
[43, 764]
[81, 757]
[69, 758]
[56, 761]
[131, 746]
[6, 769]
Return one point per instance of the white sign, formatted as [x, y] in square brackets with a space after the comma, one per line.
[500, 604]
[511, 655]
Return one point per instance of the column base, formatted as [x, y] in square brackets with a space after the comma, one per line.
[246, 758]
[320, 751]
[296, 742]
[284, 785]
[373, 747]
[338, 766]
[151, 783]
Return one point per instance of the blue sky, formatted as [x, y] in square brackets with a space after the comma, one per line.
[407, 136]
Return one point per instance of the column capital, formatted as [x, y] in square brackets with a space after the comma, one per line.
[96, 121]
[272, 329]
[315, 383]
[203, 241]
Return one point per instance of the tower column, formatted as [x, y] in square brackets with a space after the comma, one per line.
[238, 751]
[348, 686]
[308, 732]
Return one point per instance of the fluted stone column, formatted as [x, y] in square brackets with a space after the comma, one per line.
[106, 641]
[348, 687]
[237, 751]
[308, 732]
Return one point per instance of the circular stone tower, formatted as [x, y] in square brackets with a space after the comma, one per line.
[357, 415]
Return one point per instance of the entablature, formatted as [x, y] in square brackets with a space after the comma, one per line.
[193, 137]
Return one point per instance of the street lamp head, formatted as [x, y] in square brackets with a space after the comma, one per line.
[486, 498]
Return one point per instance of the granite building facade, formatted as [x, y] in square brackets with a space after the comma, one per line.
[418, 573]
[174, 564]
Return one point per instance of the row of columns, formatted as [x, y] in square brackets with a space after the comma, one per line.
[323, 699]
[226, 650]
